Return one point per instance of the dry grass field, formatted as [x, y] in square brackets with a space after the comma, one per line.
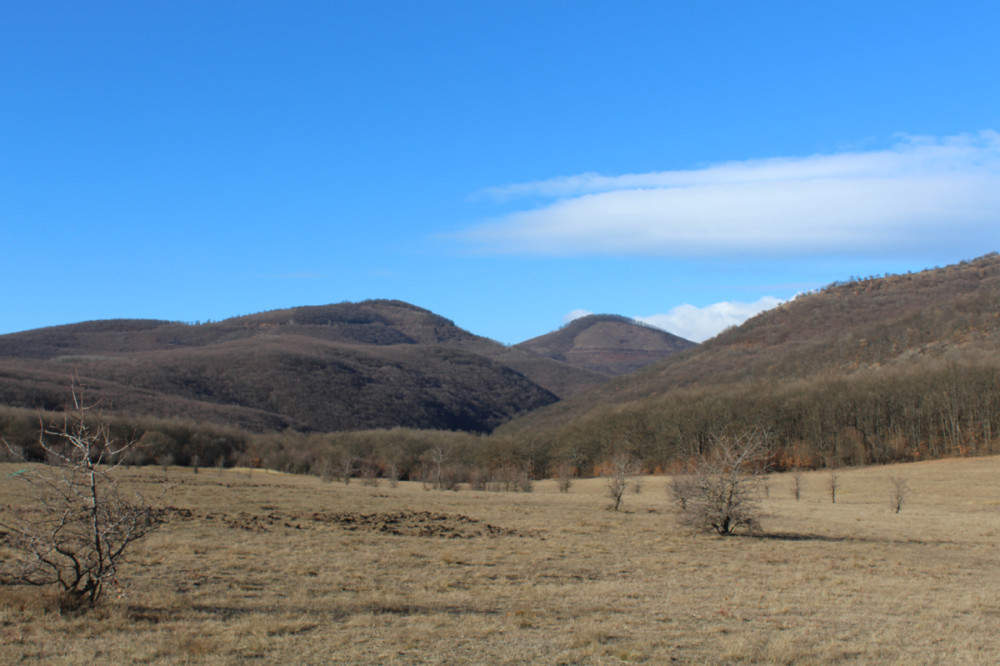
[269, 568]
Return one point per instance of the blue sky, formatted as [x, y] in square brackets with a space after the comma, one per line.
[504, 164]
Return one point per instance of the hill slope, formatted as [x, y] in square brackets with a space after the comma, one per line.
[868, 370]
[346, 366]
[609, 344]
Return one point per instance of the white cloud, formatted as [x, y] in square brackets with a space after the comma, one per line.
[700, 324]
[920, 194]
[575, 314]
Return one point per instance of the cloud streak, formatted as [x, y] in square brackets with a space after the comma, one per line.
[700, 324]
[920, 194]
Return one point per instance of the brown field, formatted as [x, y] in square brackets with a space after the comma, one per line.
[270, 568]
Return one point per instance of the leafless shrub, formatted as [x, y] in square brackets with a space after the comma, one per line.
[897, 492]
[165, 461]
[478, 478]
[323, 468]
[721, 491]
[80, 524]
[510, 477]
[369, 472]
[618, 471]
[833, 483]
[682, 489]
[797, 483]
[564, 476]
[616, 488]
[348, 464]
[392, 469]
[450, 477]
[524, 481]
[436, 457]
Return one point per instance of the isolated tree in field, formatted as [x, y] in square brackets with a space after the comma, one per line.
[618, 470]
[392, 469]
[75, 532]
[347, 465]
[438, 456]
[682, 488]
[897, 492]
[833, 483]
[369, 472]
[564, 476]
[797, 483]
[721, 490]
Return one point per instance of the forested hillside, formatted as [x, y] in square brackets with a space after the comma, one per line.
[869, 370]
[609, 344]
[341, 367]
[872, 370]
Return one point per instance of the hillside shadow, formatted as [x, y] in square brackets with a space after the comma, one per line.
[826, 538]
[795, 536]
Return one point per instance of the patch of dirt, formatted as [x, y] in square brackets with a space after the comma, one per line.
[400, 523]
[416, 523]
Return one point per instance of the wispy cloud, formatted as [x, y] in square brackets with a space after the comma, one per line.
[920, 194]
[700, 324]
[575, 314]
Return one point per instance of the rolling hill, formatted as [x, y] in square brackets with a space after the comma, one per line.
[609, 344]
[866, 370]
[349, 366]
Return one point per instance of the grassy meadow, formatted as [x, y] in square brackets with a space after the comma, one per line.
[262, 567]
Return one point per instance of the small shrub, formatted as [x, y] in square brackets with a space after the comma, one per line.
[720, 493]
[618, 471]
[564, 476]
[897, 492]
[80, 525]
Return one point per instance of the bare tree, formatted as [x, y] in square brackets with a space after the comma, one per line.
[438, 456]
[797, 483]
[833, 483]
[369, 472]
[80, 523]
[347, 466]
[392, 470]
[618, 471]
[165, 460]
[682, 488]
[323, 468]
[721, 491]
[564, 476]
[510, 477]
[897, 492]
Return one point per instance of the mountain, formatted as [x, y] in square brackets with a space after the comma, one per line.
[346, 366]
[865, 370]
[338, 367]
[608, 344]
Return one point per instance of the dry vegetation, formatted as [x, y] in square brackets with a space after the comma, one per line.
[278, 568]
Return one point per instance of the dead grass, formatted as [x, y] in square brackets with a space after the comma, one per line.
[287, 569]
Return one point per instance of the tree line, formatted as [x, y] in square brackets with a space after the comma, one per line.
[946, 406]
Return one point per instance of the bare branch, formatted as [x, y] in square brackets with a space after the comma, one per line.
[720, 492]
[79, 525]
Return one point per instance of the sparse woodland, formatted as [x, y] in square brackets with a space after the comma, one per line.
[944, 407]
